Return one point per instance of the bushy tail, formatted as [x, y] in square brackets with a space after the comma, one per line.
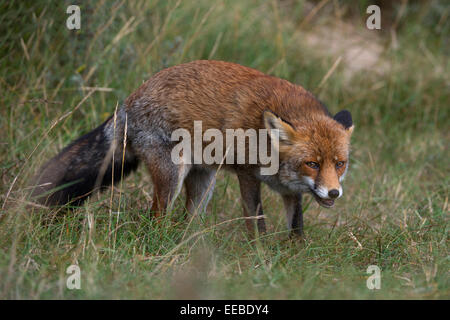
[90, 162]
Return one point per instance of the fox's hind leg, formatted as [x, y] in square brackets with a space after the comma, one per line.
[167, 178]
[199, 184]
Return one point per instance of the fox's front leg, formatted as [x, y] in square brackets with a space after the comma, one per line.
[294, 214]
[251, 201]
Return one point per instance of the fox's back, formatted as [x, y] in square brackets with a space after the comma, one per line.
[220, 94]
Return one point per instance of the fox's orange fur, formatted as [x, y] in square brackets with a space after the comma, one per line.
[313, 147]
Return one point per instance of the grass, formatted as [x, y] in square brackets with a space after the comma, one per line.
[394, 213]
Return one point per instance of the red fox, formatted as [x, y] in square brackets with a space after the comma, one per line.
[313, 146]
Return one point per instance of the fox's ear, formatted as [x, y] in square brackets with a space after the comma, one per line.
[344, 117]
[285, 130]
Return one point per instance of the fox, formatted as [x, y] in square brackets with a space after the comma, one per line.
[313, 146]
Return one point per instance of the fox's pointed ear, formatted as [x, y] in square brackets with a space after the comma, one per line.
[344, 117]
[285, 131]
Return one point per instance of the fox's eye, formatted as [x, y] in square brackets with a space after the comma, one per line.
[313, 164]
[340, 164]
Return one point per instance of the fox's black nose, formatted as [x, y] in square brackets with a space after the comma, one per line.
[334, 193]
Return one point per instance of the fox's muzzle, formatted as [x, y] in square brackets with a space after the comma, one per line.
[326, 197]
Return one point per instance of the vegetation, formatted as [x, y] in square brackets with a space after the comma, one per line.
[57, 84]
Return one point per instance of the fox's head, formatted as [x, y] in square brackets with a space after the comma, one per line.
[313, 153]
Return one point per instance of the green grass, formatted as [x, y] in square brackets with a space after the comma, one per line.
[394, 212]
